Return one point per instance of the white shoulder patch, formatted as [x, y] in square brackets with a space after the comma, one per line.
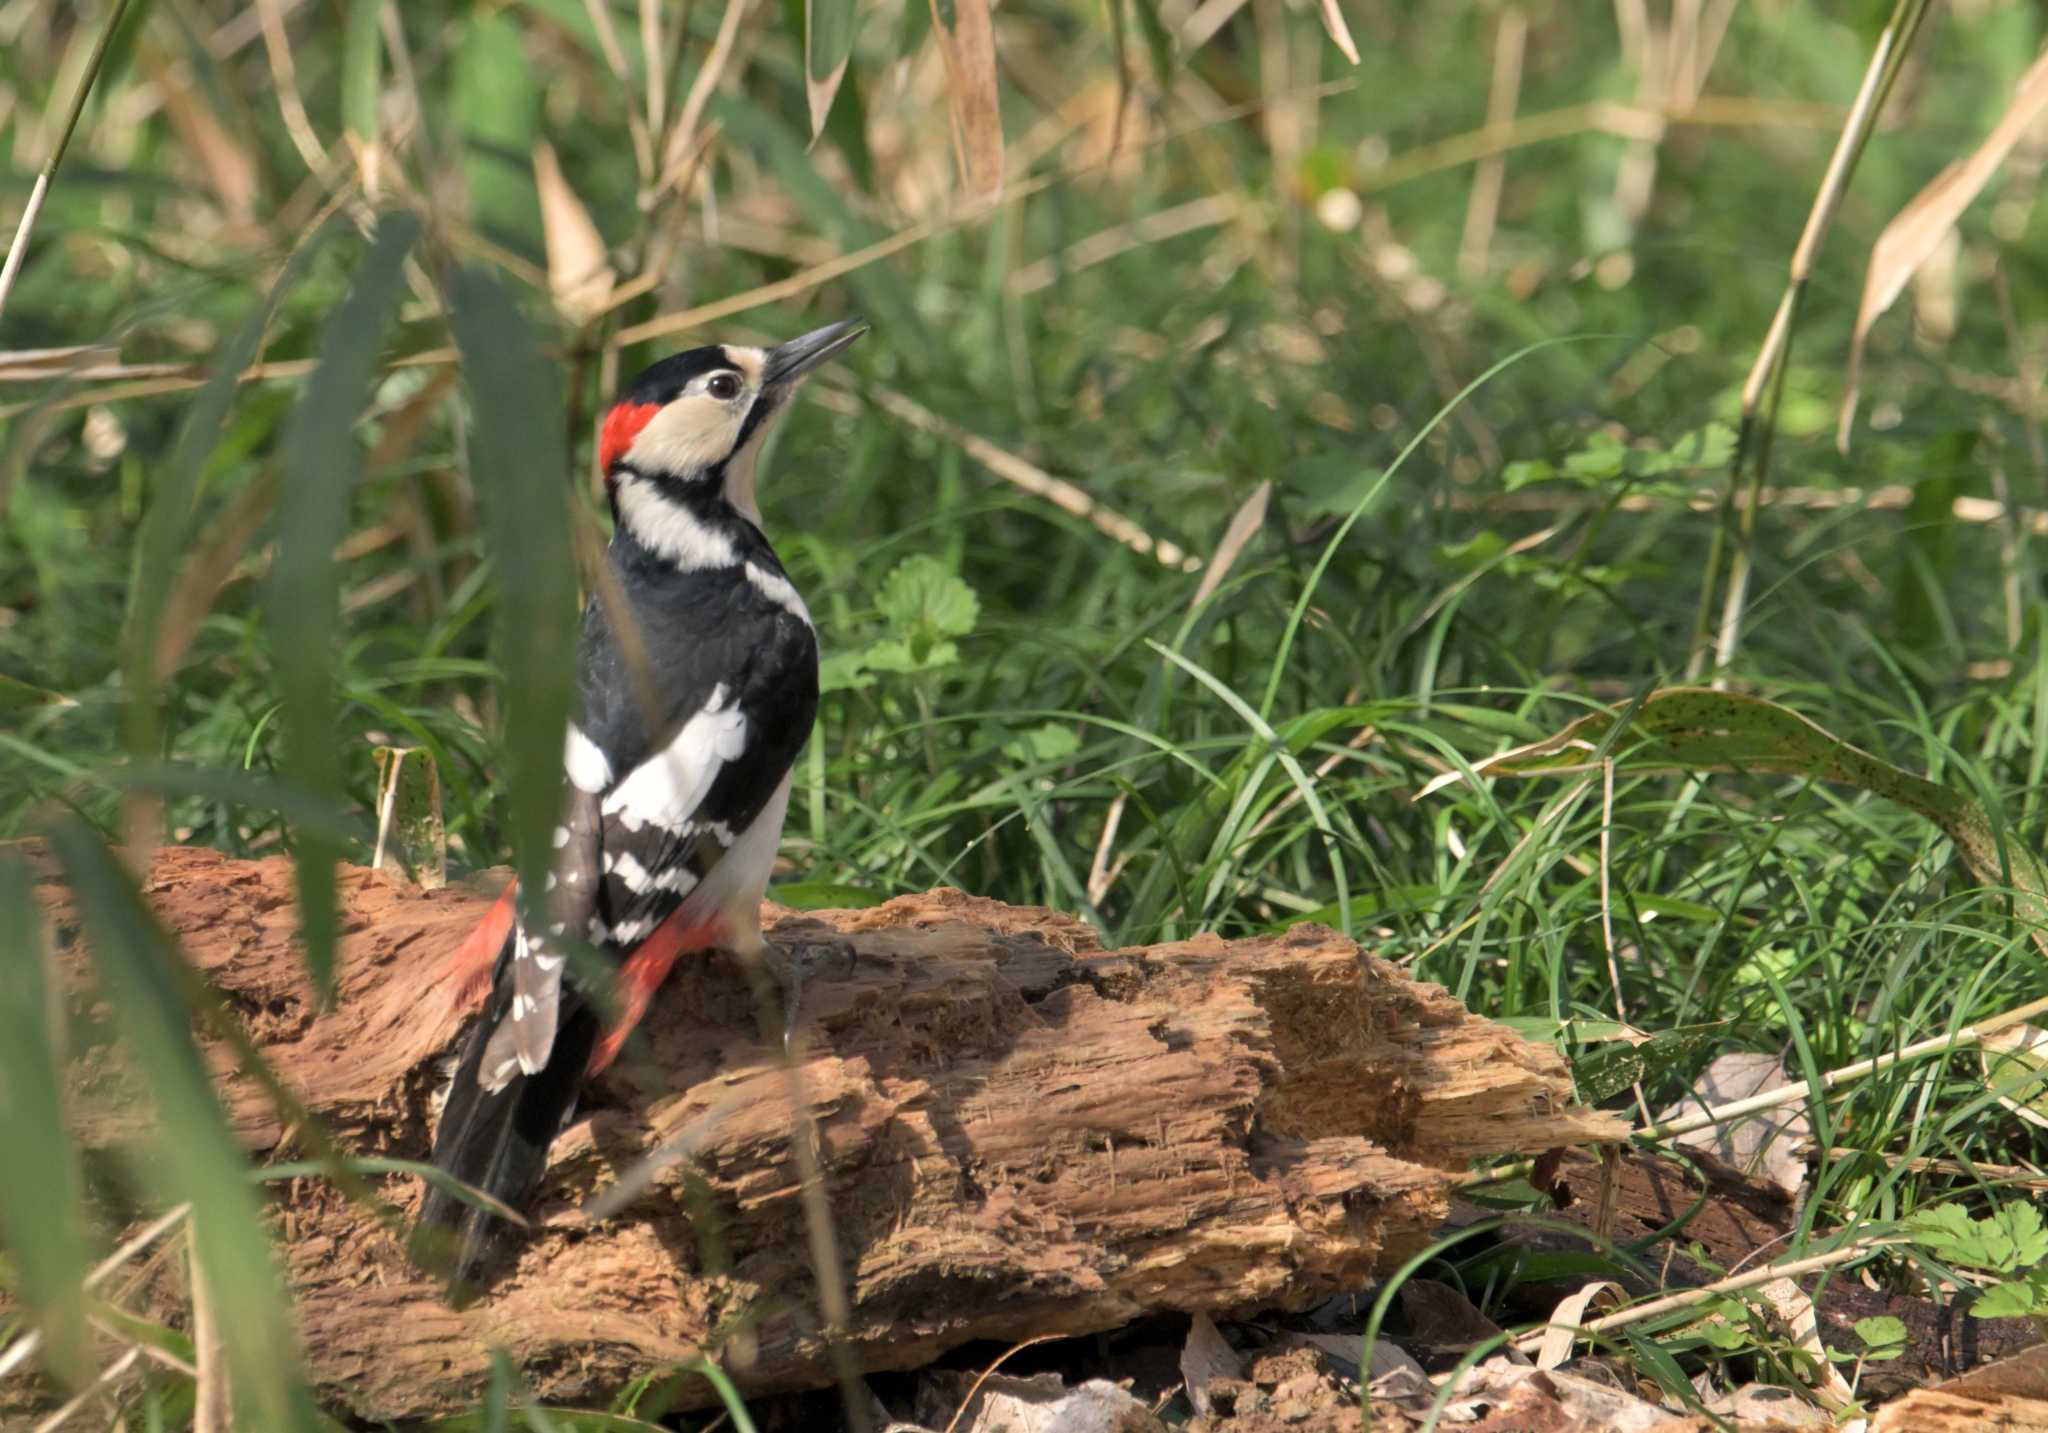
[666, 789]
[779, 590]
[589, 769]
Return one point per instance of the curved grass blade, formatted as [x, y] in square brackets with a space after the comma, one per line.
[1371, 495]
[322, 463]
[1698, 729]
[41, 1194]
[519, 467]
[195, 1158]
[1288, 763]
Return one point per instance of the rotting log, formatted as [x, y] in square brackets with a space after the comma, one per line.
[1021, 1133]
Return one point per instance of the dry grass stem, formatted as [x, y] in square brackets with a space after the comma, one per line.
[1692, 1298]
[1482, 209]
[1034, 480]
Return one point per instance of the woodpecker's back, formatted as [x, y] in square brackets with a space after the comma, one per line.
[699, 686]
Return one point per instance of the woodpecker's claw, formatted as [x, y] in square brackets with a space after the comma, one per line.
[796, 962]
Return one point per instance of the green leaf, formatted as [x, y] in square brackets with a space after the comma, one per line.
[1614, 1067]
[1948, 1232]
[362, 76]
[825, 896]
[923, 593]
[909, 655]
[1884, 1337]
[1158, 40]
[322, 462]
[496, 102]
[41, 1191]
[1333, 482]
[519, 465]
[1049, 742]
[2013, 1299]
[2018, 1222]
[19, 696]
[193, 1157]
[828, 42]
[844, 672]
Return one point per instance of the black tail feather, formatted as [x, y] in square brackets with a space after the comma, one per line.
[496, 1142]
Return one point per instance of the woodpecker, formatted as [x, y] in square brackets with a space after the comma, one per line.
[677, 771]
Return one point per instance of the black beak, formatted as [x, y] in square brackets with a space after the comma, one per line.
[787, 362]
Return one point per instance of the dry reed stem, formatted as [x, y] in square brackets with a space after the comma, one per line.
[1766, 377]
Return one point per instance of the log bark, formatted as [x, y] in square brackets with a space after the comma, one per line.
[1021, 1133]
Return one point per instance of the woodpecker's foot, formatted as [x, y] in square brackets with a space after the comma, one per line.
[795, 963]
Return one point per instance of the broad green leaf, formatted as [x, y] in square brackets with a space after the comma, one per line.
[2018, 1223]
[2013, 1299]
[519, 466]
[496, 103]
[1950, 1233]
[923, 593]
[1695, 729]
[1883, 1335]
[322, 462]
[828, 43]
[194, 1157]
[42, 1197]
[362, 76]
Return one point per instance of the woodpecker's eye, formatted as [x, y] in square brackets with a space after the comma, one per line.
[723, 386]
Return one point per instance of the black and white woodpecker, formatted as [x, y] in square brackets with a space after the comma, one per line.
[677, 765]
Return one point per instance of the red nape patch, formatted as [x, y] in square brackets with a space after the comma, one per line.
[621, 426]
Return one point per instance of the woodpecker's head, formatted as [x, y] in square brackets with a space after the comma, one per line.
[688, 431]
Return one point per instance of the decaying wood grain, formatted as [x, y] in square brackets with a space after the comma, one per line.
[1021, 1133]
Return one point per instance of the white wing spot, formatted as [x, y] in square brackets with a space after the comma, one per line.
[561, 837]
[589, 769]
[549, 963]
[666, 789]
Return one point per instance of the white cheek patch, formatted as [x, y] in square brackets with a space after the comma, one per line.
[686, 436]
[670, 529]
[667, 788]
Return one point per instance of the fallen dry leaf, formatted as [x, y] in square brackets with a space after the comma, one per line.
[1770, 1144]
[1204, 1358]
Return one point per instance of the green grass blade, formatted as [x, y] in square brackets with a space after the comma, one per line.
[41, 1196]
[322, 464]
[519, 468]
[362, 69]
[195, 1158]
